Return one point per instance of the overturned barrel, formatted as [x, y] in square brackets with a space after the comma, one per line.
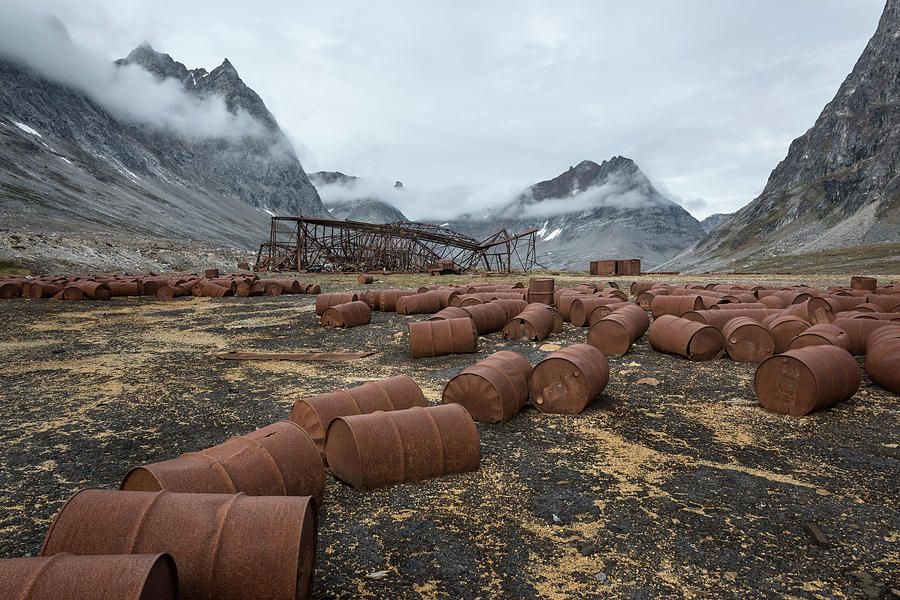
[387, 299]
[784, 328]
[325, 301]
[534, 323]
[224, 545]
[67, 576]
[883, 358]
[493, 390]
[747, 340]
[859, 331]
[451, 312]
[488, 318]
[349, 314]
[277, 460]
[439, 338]
[316, 413]
[386, 448]
[583, 306]
[415, 304]
[365, 279]
[806, 379]
[614, 334]
[695, 341]
[565, 381]
[675, 305]
[823, 333]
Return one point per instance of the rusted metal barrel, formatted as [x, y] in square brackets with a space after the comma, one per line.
[535, 323]
[71, 292]
[858, 332]
[695, 341]
[582, 306]
[718, 318]
[415, 304]
[386, 448]
[675, 305]
[747, 340]
[565, 381]
[451, 312]
[69, 577]
[645, 298]
[314, 414]
[512, 307]
[324, 301]
[823, 333]
[372, 298]
[738, 306]
[773, 302]
[40, 290]
[365, 279]
[883, 358]
[124, 288]
[488, 318]
[806, 379]
[858, 282]
[785, 328]
[94, 290]
[211, 273]
[349, 314]
[211, 290]
[493, 390]
[540, 290]
[639, 287]
[614, 334]
[10, 289]
[888, 302]
[278, 460]
[224, 545]
[564, 303]
[291, 286]
[439, 338]
[605, 310]
[461, 300]
[387, 300]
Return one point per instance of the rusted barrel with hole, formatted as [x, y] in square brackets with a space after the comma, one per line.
[211, 273]
[325, 301]
[365, 279]
[439, 338]
[349, 314]
[747, 340]
[385, 448]
[493, 390]
[859, 331]
[859, 282]
[583, 306]
[614, 334]
[372, 298]
[645, 298]
[224, 545]
[314, 414]
[565, 381]
[387, 300]
[820, 334]
[534, 323]
[695, 341]
[278, 460]
[806, 379]
[488, 318]
[675, 305]
[883, 358]
[784, 328]
[67, 576]
[451, 312]
[416, 304]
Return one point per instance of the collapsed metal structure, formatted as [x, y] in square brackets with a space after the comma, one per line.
[314, 244]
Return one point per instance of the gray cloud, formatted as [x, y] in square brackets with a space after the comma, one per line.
[41, 42]
[704, 95]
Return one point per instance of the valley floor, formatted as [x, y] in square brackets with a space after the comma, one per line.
[681, 489]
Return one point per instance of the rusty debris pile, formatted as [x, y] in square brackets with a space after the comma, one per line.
[306, 244]
[267, 485]
[108, 285]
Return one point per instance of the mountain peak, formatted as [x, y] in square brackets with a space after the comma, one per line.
[587, 174]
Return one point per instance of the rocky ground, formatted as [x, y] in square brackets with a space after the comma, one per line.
[673, 483]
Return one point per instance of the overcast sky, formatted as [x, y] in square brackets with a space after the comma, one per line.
[704, 95]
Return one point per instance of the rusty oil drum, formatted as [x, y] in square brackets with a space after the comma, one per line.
[365, 279]
[493, 390]
[859, 282]
[823, 333]
[695, 341]
[387, 299]
[416, 304]
[747, 340]
[316, 413]
[800, 381]
[385, 448]
[324, 301]
[883, 358]
[349, 314]
[451, 312]
[70, 577]
[224, 545]
[565, 381]
[614, 334]
[535, 323]
[439, 338]
[583, 306]
[277, 460]
[487, 318]
[859, 331]
[785, 328]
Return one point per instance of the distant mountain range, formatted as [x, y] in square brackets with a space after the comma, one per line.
[713, 221]
[834, 202]
[365, 209]
[68, 164]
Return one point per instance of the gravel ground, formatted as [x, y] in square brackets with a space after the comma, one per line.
[685, 489]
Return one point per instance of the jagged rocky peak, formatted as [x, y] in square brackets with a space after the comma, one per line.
[398, 185]
[714, 220]
[333, 178]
